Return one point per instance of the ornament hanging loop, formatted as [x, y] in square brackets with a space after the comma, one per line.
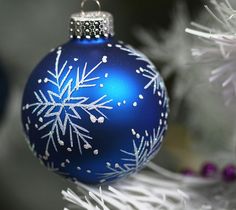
[83, 3]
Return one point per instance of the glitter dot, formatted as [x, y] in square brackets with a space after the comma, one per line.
[117, 165]
[87, 146]
[104, 59]
[101, 120]
[61, 142]
[95, 152]
[141, 97]
[135, 104]
[93, 119]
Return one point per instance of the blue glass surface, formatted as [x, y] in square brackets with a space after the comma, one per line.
[95, 110]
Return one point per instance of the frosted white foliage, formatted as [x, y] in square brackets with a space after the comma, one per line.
[219, 49]
[59, 107]
[144, 148]
[156, 190]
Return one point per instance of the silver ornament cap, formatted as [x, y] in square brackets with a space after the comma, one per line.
[91, 24]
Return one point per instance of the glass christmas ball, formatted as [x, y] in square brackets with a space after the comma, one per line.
[95, 110]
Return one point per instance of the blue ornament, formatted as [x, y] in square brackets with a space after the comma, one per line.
[95, 109]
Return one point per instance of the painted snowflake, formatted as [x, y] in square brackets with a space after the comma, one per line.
[142, 153]
[150, 72]
[59, 107]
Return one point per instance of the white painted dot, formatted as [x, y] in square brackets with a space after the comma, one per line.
[104, 59]
[76, 59]
[36, 125]
[133, 132]
[117, 165]
[41, 119]
[106, 75]
[93, 119]
[159, 93]
[87, 146]
[138, 136]
[162, 114]
[61, 142]
[70, 67]
[119, 104]
[160, 122]
[165, 122]
[160, 102]
[59, 48]
[95, 152]
[101, 120]
[46, 80]
[108, 164]
[166, 115]
[89, 171]
[39, 81]
[135, 104]
[141, 97]
[69, 149]
[67, 161]
[124, 102]
[27, 106]
[119, 46]
[101, 85]
[78, 168]
[137, 71]
[146, 133]
[63, 165]
[109, 45]
[141, 69]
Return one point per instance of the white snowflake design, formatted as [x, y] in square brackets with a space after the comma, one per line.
[60, 106]
[142, 153]
[149, 72]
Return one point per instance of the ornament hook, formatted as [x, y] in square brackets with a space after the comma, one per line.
[85, 1]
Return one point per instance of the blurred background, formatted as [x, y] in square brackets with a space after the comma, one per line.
[200, 128]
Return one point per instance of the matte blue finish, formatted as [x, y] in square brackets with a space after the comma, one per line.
[103, 106]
